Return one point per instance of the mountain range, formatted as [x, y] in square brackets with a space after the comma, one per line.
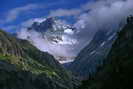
[105, 63]
[52, 35]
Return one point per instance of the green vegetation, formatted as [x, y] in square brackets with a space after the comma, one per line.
[22, 63]
[29, 65]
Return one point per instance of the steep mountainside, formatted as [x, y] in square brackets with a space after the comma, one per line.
[22, 66]
[117, 72]
[53, 36]
[93, 54]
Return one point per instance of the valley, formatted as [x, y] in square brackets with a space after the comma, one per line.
[66, 44]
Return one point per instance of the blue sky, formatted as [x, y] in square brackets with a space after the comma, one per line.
[15, 12]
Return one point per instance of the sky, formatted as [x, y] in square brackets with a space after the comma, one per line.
[15, 12]
[87, 16]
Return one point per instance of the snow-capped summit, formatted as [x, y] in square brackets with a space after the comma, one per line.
[52, 35]
[55, 31]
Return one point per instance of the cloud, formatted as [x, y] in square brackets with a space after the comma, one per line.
[63, 48]
[93, 16]
[10, 28]
[64, 12]
[14, 13]
[44, 45]
[29, 22]
[102, 15]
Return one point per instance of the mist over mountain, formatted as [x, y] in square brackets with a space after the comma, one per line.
[96, 15]
[53, 36]
[102, 14]
[23, 66]
[116, 71]
[66, 44]
[93, 55]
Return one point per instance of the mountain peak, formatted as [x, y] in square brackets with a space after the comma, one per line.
[52, 35]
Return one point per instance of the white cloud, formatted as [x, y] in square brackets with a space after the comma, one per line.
[102, 15]
[13, 14]
[29, 22]
[63, 48]
[69, 31]
[64, 12]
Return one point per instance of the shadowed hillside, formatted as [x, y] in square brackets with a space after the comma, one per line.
[22, 66]
[117, 72]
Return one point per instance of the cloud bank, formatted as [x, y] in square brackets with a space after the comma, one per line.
[15, 12]
[47, 42]
[64, 12]
[91, 17]
[102, 15]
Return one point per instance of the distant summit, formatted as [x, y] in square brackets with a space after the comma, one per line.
[52, 35]
[42, 26]
[54, 30]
